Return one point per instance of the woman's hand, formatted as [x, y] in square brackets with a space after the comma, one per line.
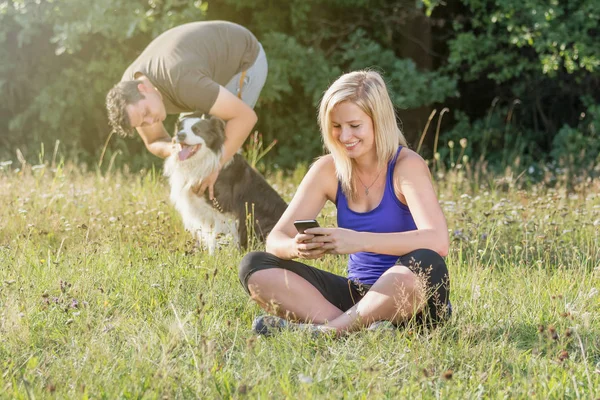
[306, 247]
[338, 240]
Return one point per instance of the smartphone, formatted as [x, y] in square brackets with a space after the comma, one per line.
[304, 224]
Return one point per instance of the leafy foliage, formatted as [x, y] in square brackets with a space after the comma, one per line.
[579, 147]
[60, 57]
[545, 55]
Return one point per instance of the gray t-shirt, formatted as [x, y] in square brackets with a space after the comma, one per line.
[189, 62]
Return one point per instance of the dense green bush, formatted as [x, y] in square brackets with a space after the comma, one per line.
[578, 147]
[543, 55]
[60, 57]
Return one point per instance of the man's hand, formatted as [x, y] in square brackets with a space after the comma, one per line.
[156, 139]
[208, 182]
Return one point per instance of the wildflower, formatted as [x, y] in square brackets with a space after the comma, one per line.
[563, 355]
[305, 379]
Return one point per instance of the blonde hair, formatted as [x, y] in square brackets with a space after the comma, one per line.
[367, 90]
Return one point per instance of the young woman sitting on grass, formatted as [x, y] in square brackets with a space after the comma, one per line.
[389, 222]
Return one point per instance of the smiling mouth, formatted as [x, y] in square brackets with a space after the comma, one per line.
[188, 151]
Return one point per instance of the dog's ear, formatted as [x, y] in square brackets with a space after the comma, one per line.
[217, 123]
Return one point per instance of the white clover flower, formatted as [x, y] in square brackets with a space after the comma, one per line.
[476, 292]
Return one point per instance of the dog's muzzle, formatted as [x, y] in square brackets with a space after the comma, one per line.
[187, 151]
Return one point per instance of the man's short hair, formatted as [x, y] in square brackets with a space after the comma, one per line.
[118, 98]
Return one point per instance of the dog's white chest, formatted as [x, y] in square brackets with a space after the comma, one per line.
[203, 220]
[200, 217]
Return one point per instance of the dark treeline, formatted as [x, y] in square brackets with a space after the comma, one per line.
[520, 78]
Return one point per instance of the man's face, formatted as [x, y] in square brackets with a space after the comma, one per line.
[148, 111]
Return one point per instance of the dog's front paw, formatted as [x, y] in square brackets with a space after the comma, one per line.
[210, 241]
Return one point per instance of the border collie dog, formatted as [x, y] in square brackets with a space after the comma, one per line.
[243, 199]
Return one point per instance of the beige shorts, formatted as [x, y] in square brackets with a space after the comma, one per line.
[254, 80]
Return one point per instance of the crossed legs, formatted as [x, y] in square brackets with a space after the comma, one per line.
[302, 293]
[396, 296]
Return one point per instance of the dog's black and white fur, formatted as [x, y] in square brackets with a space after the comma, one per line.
[243, 198]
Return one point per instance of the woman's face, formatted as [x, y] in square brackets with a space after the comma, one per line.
[353, 129]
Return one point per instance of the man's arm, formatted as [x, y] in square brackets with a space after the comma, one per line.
[239, 120]
[156, 139]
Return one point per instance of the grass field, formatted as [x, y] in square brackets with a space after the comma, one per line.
[102, 295]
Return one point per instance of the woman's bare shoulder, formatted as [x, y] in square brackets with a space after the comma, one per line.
[323, 172]
[410, 159]
[410, 165]
[324, 166]
[324, 162]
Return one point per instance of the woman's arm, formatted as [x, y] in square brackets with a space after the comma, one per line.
[412, 180]
[318, 186]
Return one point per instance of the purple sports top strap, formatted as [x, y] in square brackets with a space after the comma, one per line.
[389, 216]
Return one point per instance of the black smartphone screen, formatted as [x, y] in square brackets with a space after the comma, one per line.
[303, 224]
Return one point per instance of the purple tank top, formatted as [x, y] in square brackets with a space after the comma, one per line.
[389, 216]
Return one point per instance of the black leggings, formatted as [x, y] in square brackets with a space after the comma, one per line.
[344, 293]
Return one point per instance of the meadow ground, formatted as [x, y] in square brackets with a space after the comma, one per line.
[102, 295]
